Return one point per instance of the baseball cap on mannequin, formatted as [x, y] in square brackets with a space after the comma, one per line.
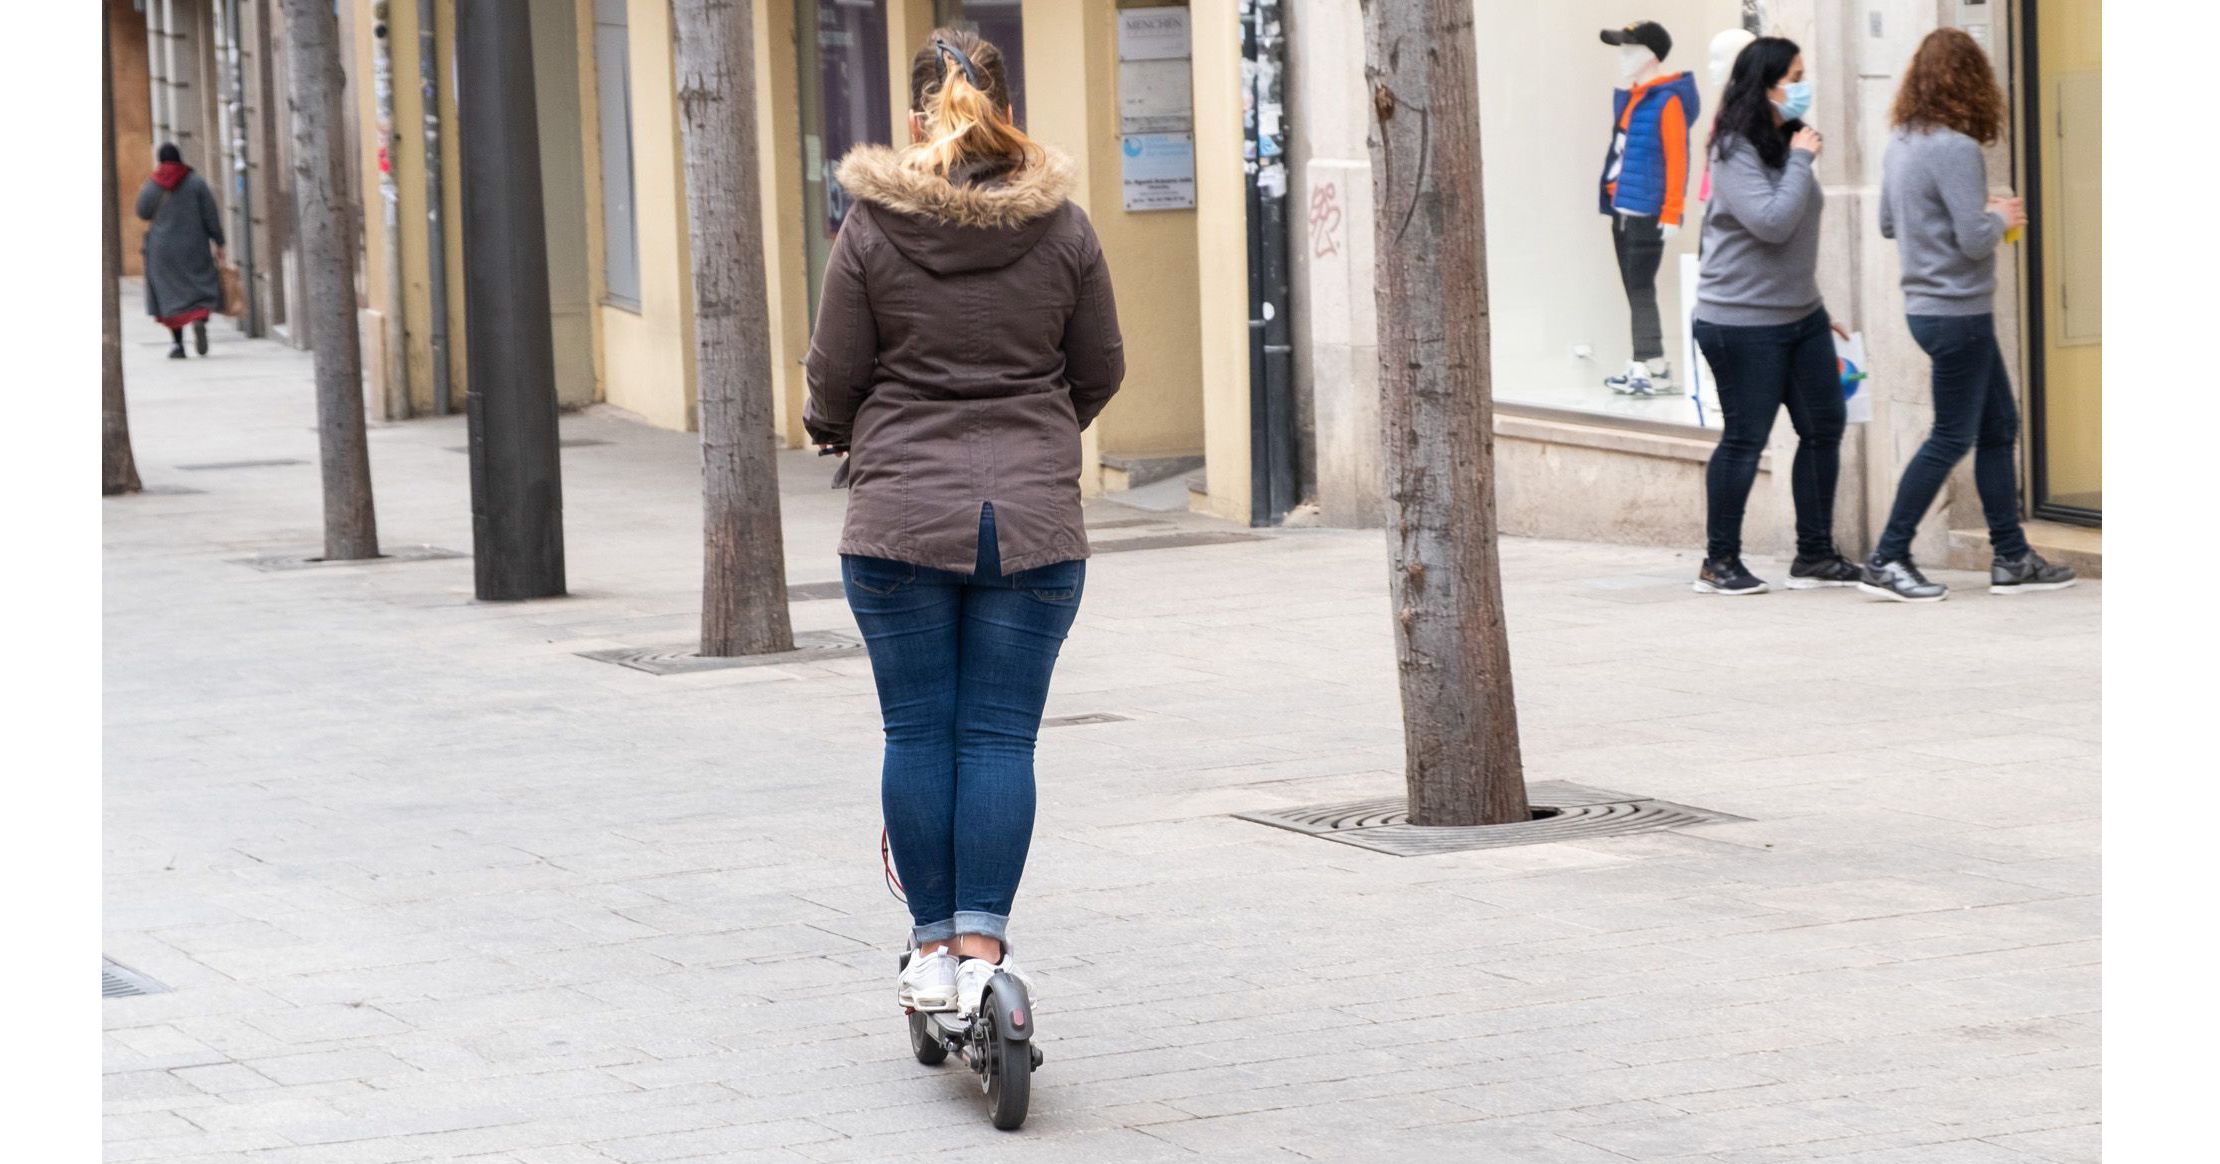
[1647, 33]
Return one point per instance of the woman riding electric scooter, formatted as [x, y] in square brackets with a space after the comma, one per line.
[965, 335]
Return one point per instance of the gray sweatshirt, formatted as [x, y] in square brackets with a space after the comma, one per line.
[1934, 203]
[1761, 241]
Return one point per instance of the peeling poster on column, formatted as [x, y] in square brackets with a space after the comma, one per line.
[1159, 171]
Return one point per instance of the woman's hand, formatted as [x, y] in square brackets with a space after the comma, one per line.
[2012, 210]
[221, 260]
[1842, 329]
[1808, 140]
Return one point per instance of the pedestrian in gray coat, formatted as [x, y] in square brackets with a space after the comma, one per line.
[183, 246]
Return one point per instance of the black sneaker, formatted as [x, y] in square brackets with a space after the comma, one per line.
[2027, 572]
[1819, 573]
[177, 352]
[1900, 581]
[1727, 576]
[200, 336]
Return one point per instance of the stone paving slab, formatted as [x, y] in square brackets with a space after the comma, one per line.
[427, 885]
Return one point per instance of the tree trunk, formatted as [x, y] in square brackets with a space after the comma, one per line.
[327, 220]
[743, 602]
[1460, 726]
[119, 473]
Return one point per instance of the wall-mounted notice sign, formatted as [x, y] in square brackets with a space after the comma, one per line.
[1159, 171]
[1156, 96]
[1152, 34]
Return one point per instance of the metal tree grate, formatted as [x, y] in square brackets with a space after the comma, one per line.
[1171, 541]
[120, 981]
[269, 463]
[275, 563]
[576, 443]
[1086, 718]
[1563, 812]
[809, 647]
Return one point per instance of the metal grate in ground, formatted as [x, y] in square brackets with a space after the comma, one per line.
[274, 563]
[120, 981]
[1086, 718]
[268, 463]
[577, 443]
[1171, 541]
[1563, 812]
[809, 647]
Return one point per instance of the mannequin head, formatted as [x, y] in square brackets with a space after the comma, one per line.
[1643, 47]
[1724, 48]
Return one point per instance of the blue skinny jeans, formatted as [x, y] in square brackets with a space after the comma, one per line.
[1974, 412]
[962, 663]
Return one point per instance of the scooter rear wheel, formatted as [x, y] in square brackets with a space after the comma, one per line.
[925, 1040]
[1007, 1073]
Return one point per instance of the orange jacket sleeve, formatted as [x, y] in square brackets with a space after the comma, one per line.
[1672, 134]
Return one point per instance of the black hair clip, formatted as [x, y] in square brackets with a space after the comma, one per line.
[961, 61]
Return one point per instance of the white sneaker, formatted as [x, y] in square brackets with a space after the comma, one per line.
[929, 981]
[972, 977]
[1634, 381]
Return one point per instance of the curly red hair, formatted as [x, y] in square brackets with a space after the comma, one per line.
[1950, 85]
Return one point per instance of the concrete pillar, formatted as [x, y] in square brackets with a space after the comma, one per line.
[1337, 364]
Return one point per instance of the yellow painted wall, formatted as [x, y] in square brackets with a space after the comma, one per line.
[2071, 36]
[779, 153]
[646, 357]
[408, 175]
[1221, 247]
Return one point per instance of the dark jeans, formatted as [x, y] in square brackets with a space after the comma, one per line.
[962, 663]
[1973, 411]
[1757, 370]
[1639, 244]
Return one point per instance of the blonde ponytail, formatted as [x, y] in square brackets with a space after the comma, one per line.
[957, 82]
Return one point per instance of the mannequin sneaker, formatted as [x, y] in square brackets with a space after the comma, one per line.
[1634, 381]
[929, 981]
[1819, 573]
[1728, 576]
[971, 981]
[1900, 581]
[1643, 378]
[2028, 572]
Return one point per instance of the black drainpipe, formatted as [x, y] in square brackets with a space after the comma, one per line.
[1272, 419]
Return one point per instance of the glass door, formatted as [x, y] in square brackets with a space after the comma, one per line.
[2061, 135]
[844, 103]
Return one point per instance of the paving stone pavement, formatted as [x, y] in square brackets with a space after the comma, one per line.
[428, 885]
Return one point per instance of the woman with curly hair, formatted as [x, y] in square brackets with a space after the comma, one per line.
[1935, 203]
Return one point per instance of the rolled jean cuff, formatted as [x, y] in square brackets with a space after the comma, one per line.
[940, 931]
[986, 925]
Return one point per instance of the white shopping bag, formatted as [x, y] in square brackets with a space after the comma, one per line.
[1857, 391]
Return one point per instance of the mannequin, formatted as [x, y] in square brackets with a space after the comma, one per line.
[1724, 48]
[1644, 183]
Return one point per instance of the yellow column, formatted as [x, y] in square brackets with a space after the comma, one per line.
[1221, 242]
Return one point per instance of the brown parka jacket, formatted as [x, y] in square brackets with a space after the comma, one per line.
[965, 335]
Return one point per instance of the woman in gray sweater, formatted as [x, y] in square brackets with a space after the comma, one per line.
[1760, 322]
[1935, 203]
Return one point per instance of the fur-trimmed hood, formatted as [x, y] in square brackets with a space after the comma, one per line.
[952, 227]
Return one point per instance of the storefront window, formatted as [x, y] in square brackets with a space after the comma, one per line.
[844, 103]
[1570, 281]
[999, 23]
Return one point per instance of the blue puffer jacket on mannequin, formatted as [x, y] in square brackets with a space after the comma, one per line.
[1645, 172]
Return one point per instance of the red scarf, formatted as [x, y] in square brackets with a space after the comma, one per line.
[169, 174]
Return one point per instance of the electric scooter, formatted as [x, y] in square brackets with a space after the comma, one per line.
[997, 1044]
